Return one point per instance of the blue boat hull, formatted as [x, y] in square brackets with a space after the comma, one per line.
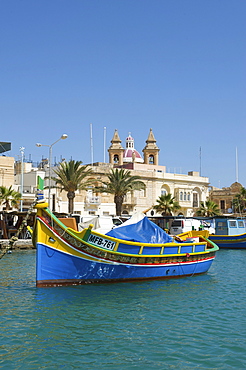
[55, 267]
[229, 241]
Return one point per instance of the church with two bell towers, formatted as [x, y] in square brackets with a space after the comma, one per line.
[188, 189]
[120, 156]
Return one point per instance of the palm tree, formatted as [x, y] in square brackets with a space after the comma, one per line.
[71, 176]
[120, 183]
[9, 197]
[166, 204]
[208, 209]
[239, 201]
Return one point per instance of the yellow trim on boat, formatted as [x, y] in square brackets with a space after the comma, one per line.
[65, 247]
[41, 205]
[78, 235]
[231, 241]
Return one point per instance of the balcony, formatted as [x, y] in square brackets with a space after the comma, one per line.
[130, 201]
[93, 200]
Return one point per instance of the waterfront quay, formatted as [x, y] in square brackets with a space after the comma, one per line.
[19, 244]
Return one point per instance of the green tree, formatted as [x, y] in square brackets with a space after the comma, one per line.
[166, 204]
[120, 183]
[72, 176]
[239, 201]
[9, 197]
[208, 209]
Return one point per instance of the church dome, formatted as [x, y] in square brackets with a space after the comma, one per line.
[130, 153]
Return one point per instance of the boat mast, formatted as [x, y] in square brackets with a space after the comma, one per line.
[200, 161]
[236, 166]
[104, 145]
[92, 160]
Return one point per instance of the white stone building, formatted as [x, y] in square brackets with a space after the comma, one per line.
[189, 190]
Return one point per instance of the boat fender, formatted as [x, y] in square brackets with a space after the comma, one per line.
[187, 255]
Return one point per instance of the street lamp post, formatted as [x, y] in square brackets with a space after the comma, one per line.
[64, 136]
[22, 177]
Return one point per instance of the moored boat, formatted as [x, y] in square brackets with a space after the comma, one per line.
[135, 250]
[229, 241]
[230, 233]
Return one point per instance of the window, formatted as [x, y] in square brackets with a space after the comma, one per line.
[177, 223]
[181, 196]
[163, 192]
[142, 193]
[151, 159]
[195, 200]
[116, 158]
[240, 224]
[222, 204]
[232, 223]
[188, 196]
[185, 195]
[90, 191]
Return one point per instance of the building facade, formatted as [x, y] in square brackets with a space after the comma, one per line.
[188, 189]
[7, 171]
[224, 197]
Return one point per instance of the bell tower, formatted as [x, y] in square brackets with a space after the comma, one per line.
[151, 150]
[116, 150]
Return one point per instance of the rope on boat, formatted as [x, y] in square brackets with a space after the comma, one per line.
[14, 238]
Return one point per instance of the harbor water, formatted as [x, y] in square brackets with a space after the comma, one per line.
[196, 322]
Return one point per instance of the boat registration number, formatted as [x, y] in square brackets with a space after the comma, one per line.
[100, 242]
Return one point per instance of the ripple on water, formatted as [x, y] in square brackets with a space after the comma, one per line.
[189, 323]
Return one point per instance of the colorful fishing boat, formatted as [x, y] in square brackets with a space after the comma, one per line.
[230, 233]
[136, 250]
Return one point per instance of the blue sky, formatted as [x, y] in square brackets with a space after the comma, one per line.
[176, 66]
